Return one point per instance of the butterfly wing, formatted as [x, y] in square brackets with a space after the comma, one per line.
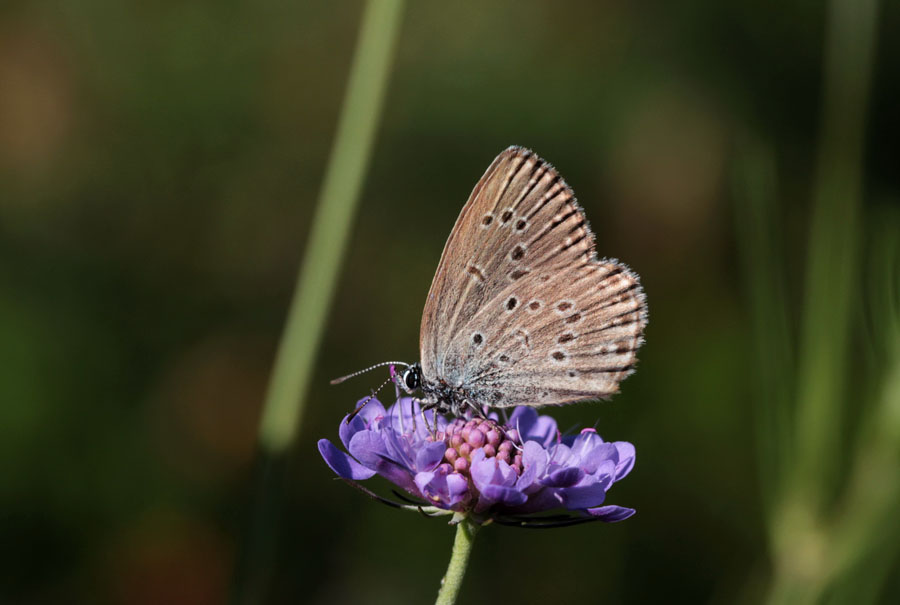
[461, 280]
[521, 312]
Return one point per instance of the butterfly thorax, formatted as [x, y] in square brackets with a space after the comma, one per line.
[438, 394]
[445, 398]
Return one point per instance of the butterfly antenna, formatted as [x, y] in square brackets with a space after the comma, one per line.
[367, 400]
[377, 365]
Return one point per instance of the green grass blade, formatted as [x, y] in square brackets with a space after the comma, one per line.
[331, 225]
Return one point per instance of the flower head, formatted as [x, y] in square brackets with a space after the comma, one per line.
[482, 468]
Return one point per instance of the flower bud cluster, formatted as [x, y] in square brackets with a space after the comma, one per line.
[465, 436]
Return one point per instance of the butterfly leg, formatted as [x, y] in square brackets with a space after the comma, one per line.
[412, 411]
[433, 428]
[424, 406]
[476, 409]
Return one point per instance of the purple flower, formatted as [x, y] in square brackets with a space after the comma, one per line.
[481, 469]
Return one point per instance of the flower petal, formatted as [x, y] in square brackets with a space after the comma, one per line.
[626, 459]
[495, 481]
[490, 471]
[597, 456]
[533, 455]
[368, 447]
[458, 487]
[560, 454]
[442, 489]
[400, 448]
[532, 427]
[430, 455]
[583, 496]
[605, 472]
[341, 463]
[585, 442]
[361, 421]
[534, 463]
[564, 477]
[400, 416]
[497, 494]
[611, 513]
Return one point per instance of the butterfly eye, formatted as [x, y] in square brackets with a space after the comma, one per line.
[411, 379]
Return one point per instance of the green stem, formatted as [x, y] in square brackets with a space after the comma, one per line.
[759, 238]
[331, 225]
[805, 541]
[832, 255]
[459, 559]
[865, 520]
[316, 281]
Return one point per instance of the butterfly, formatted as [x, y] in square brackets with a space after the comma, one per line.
[521, 311]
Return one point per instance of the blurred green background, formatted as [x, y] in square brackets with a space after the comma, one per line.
[159, 168]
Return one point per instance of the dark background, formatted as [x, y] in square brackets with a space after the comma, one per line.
[159, 166]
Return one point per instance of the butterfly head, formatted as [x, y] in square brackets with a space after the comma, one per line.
[410, 379]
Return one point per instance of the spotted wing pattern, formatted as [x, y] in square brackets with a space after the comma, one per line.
[521, 312]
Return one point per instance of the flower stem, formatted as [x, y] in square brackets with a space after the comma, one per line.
[459, 560]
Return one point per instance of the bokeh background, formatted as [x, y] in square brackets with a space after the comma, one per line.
[159, 168]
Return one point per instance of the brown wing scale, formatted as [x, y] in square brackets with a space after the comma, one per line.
[521, 312]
